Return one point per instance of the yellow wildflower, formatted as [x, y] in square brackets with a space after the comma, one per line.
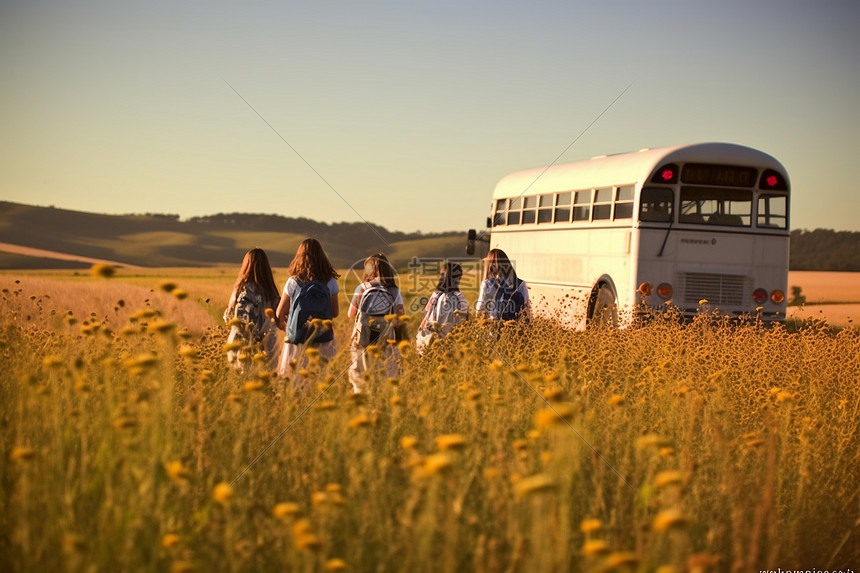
[621, 558]
[450, 442]
[189, 351]
[359, 421]
[436, 463]
[533, 484]
[408, 442]
[594, 547]
[235, 345]
[668, 518]
[21, 453]
[558, 414]
[307, 542]
[124, 423]
[666, 478]
[335, 565]
[590, 525]
[178, 472]
[286, 509]
[553, 394]
[222, 493]
[170, 540]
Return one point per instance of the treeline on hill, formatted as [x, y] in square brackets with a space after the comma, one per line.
[824, 250]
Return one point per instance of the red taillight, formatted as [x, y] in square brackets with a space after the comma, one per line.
[665, 291]
[759, 295]
[777, 296]
[645, 289]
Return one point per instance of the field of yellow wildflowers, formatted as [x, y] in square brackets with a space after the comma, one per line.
[129, 444]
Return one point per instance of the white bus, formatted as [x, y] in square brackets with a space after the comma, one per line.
[693, 226]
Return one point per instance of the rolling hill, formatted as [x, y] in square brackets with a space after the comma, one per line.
[50, 237]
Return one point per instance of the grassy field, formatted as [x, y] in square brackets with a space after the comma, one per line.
[129, 444]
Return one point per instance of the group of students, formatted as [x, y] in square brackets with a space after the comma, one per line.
[305, 308]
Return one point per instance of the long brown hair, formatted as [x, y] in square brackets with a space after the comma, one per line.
[311, 263]
[497, 265]
[257, 271]
[449, 280]
[377, 268]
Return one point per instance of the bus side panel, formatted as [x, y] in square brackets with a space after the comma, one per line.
[562, 266]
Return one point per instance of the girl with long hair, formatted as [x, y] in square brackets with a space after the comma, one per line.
[446, 308]
[373, 303]
[503, 295]
[311, 273]
[253, 294]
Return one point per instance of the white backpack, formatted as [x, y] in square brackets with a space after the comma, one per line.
[447, 313]
[371, 327]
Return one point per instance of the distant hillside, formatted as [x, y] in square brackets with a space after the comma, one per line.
[155, 240]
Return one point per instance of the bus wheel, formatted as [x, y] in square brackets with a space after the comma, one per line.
[604, 313]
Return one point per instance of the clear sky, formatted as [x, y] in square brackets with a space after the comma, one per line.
[410, 110]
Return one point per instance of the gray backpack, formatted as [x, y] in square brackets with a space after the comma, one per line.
[376, 302]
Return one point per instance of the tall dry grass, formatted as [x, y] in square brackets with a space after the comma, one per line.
[129, 444]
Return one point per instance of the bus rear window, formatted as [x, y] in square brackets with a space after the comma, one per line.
[711, 206]
[657, 204]
[772, 212]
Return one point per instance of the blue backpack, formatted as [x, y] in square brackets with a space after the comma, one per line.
[312, 301]
[507, 301]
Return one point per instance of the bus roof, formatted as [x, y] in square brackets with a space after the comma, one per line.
[627, 168]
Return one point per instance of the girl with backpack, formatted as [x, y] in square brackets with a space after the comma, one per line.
[375, 298]
[310, 293]
[446, 308]
[253, 293]
[503, 296]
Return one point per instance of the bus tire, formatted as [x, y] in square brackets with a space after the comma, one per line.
[604, 310]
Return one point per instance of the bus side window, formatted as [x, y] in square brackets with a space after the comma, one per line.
[499, 217]
[582, 206]
[624, 203]
[656, 204]
[562, 208]
[545, 209]
[514, 208]
[529, 204]
[603, 203]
